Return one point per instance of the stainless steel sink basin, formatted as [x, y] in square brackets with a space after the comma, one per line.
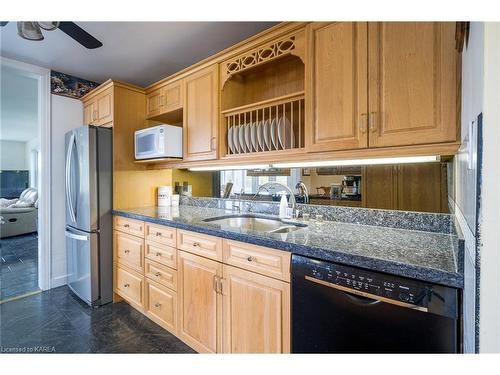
[255, 223]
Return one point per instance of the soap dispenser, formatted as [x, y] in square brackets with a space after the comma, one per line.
[283, 206]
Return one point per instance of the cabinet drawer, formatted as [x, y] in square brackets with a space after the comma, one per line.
[263, 260]
[161, 274]
[129, 250]
[131, 226]
[161, 306]
[200, 244]
[165, 255]
[161, 234]
[129, 285]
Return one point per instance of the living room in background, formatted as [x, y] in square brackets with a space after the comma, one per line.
[23, 137]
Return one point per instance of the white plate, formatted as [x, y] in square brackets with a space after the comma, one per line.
[267, 135]
[285, 133]
[253, 136]
[230, 140]
[241, 138]
[274, 134]
[236, 141]
[248, 140]
[260, 135]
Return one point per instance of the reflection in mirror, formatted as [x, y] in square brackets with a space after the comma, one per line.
[410, 187]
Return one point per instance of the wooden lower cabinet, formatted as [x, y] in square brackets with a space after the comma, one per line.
[130, 286]
[199, 302]
[161, 305]
[256, 313]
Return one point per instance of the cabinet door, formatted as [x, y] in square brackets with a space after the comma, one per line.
[104, 102]
[89, 113]
[412, 83]
[422, 187]
[200, 115]
[154, 103]
[380, 187]
[173, 96]
[337, 85]
[256, 312]
[199, 303]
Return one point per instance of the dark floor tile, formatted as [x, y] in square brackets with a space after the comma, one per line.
[59, 322]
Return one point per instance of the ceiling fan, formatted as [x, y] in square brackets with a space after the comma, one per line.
[32, 30]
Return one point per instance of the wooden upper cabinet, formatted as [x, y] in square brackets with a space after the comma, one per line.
[256, 311]
[199, 303]
[99, 109]
[164, 99]
[104, 102]
[201, 114]
[336, 82]
[412, 68]
[154, 103]
[89, 115]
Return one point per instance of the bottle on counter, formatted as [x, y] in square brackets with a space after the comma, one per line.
[283, 207]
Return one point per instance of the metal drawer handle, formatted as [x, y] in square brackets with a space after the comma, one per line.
[126, 225]
[127, 251]
[157, 274]
[158, 234]
[196, 244]
[157, 304]
[126, 285]
[251, 259]
[158, 254]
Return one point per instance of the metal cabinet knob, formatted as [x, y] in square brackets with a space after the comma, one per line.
[251, 259]
[196, 244]
[157, 274]
[158, 254]
[157, 304]
[127, 251]
[126, 285]
[126, 225]
[158, 234]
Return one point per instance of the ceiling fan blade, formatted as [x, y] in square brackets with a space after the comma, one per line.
[80, 35]
[3, 23]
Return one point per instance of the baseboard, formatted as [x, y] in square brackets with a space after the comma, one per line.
[58, 281]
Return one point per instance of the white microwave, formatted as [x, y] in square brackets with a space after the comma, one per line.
[162, 141]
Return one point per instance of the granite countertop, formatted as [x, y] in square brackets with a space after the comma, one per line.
[426, 256]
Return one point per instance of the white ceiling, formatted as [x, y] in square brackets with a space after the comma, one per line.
[18, 106]
[135, 52]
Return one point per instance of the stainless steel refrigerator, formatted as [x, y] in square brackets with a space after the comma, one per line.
[89, 174]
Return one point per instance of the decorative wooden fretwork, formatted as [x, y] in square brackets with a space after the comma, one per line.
[290, 45]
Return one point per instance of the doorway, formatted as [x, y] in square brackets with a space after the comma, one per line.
[24, 180]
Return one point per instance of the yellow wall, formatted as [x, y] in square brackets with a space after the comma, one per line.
[139, 188]
[201, 181]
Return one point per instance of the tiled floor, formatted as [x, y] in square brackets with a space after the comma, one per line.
[56, 321]
[19, 265]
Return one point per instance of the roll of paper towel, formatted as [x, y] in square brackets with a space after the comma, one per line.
[164, 196]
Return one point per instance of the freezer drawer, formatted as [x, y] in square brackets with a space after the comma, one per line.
[83, 264]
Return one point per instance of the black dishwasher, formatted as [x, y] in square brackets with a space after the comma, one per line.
[343, 309]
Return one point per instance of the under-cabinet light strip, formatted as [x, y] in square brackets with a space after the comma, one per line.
[325, 163]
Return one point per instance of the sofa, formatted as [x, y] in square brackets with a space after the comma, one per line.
[19, 216]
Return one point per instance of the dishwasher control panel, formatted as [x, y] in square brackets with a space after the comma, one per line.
[374, 283]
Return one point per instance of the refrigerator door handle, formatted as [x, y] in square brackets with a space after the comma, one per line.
[69, 199]
[78, 237]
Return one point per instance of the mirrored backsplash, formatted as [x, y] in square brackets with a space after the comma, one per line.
[422, 187]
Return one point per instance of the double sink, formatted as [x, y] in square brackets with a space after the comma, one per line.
[256, 223]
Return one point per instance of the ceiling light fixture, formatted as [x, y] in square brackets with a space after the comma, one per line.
[373, 161]
[229, 167]
[29, 30]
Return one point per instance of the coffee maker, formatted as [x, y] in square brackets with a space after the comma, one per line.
[351, 186]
